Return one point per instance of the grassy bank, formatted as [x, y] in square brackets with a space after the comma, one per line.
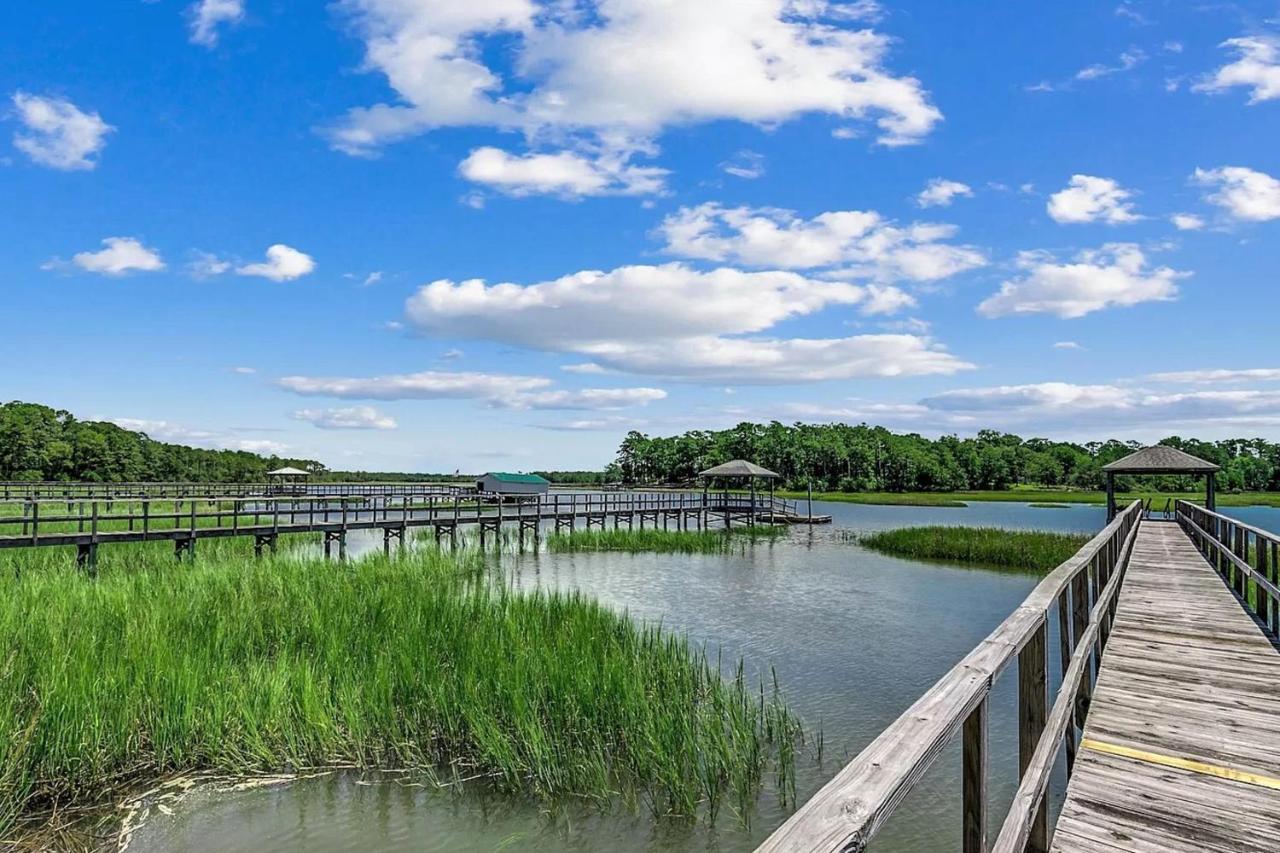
[663, 541]
[1040, 496]
[1014, 549]
[239, 666]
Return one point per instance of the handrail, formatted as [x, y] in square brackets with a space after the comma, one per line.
[1020, 821]
[1228, 545]
[848, 811]
[192, 517]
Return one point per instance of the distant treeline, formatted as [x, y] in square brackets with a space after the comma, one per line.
[840, 457]
[40, 443]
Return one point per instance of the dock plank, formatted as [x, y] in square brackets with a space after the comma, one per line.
[1186, 694]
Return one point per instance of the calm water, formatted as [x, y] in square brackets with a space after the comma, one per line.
[854, 636]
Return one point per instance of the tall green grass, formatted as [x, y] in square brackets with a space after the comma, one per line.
[1025, 550]
[235, 665]
[664, 541]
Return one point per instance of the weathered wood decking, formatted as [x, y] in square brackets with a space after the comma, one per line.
[1181, 747]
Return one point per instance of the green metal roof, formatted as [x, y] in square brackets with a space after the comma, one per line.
[503, 477]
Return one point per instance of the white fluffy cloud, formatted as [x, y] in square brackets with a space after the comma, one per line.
[1045, 395]
[592, 399]
[1257, 67]
[1186, 222]
[283, 263]
[1091, 199]
[614, 73]
[494, 389]
[675, 321]
[859, 243]
[169, 431]
[1244, 193]
[1062, 404]
[120, 256]
[628, 303]
[207, 16]
[779, 361]
[165, 430]
[1207, 377]
[57, 133]
[427, 385]
[353, 417]
[1117, 275]
[565, 173]
[940, 192]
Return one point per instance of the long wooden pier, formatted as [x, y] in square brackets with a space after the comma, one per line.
[88, 524]
[1164, 714]
[1181, 749]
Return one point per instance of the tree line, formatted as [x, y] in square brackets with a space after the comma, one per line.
[41, 443]
[863, 458]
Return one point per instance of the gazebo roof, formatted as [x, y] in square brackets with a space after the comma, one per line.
[740, 468]
[1161, 460]
[288, 472]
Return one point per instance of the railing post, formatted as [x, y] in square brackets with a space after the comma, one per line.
[1065, 647]
[975, 779]
[1263, 608]
[1079, 620]
[1275, 577]
[1033, 698]
[1241, 584]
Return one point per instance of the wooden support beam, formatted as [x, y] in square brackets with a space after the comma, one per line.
[974, 795]
[1033, 701]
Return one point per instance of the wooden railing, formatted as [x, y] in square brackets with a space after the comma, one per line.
[32, 523]
[121, 490]
[846, 814]
[1247, 557]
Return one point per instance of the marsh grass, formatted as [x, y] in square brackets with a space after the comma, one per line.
[1022, 550]
[238, 666]
[665, 541]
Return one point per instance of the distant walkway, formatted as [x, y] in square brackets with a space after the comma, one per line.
[1181, 748]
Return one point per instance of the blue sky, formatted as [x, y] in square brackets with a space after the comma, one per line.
[423, 235]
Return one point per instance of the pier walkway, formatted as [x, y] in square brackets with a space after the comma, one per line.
[1181, 749]
[88, 524]
[1173, 747]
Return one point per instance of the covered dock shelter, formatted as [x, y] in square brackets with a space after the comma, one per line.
[1162, 460]
[287, 481]
[742, 470]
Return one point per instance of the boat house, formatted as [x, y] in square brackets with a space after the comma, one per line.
[499, 483]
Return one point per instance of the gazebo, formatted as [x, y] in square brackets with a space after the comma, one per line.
[286, 480]
[1162, 460]
[740, 469]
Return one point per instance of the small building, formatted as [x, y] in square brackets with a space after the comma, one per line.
[501, 483]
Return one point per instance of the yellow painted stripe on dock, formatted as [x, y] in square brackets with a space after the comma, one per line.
[1143, 755]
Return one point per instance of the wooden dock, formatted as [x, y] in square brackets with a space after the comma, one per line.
[87, 524]
[1181, 749]
[1174, 747]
